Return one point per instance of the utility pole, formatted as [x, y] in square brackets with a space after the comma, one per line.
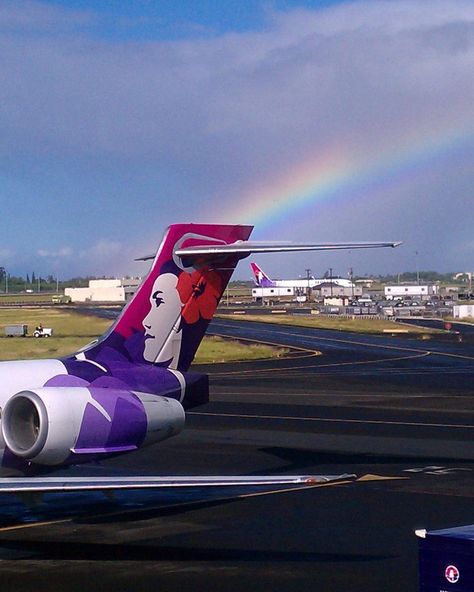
[6, 281]
[308, 271]
[417, 270]
[351, 275]
[330, 279]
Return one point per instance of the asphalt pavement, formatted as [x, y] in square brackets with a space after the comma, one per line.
[397, 412]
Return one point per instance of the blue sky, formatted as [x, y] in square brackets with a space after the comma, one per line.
[168, 19]
[118, 118]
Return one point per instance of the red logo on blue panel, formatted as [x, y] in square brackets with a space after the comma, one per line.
[451, 573]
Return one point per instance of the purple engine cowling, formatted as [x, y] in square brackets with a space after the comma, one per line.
[65, 425]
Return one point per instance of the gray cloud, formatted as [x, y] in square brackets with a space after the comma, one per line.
[232, 112]
[62, 252]
[6, 255]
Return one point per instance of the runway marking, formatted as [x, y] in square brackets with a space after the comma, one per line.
[297, 488]
[34, 524]
[331, 365]
[370, 477]
[332, 420]
[217, 396]
[438, 470]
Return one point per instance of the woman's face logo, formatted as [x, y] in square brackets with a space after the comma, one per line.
[162, 338]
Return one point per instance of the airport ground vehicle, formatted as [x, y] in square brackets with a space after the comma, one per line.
[60, 299]
[42, 332]
[16, 330]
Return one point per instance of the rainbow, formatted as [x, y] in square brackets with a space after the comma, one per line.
[337, 175]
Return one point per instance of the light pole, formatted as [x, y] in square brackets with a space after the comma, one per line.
[6, 281]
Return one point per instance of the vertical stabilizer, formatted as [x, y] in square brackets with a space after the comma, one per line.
[261, 278]
[166, 320]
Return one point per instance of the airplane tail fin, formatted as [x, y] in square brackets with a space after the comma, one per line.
[166, 320]
[261, 278]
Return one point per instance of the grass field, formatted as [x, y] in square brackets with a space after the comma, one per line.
[372, 326]
[34, 298]
[216, 349]
[71, 331]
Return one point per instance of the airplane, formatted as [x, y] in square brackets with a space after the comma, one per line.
[130, 387]
[263, 281]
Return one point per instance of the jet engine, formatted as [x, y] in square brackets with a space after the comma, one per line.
[64, 425]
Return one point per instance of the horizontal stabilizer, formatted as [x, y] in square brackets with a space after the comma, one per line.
[64, 484]
[245, 248]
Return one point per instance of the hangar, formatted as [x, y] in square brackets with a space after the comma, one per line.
[106, 290]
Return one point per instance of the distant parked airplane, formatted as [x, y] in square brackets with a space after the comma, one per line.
[263, 281]
[130, 387]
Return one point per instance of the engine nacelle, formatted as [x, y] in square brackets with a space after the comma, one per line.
[64, 425]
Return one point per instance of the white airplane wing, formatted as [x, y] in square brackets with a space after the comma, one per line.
[68, 484]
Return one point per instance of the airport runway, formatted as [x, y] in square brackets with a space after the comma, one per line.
[397, 412]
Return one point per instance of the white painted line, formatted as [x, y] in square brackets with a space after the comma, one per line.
[333, 420]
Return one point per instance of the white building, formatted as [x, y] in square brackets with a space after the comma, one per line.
[336, 301]
[331, 289]
[462, 311]
[414, 291]
[114, 290]
[276, 292]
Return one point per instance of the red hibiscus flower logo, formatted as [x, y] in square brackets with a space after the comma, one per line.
[200, 292]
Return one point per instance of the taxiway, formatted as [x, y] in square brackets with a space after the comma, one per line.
[397, 412]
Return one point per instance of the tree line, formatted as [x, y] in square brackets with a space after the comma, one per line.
[37, 283]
